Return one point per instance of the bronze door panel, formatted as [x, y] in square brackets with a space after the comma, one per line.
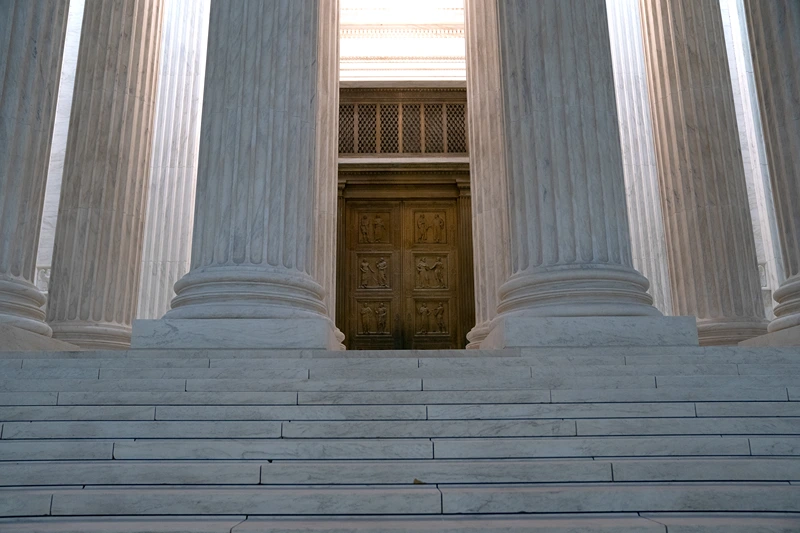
[430, 277]
[401, 275]
[373, 275]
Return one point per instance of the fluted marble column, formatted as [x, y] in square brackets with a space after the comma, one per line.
[648, 244]
[323, 268]
[31, 44]
[775, 45]
[170, 199]
[255, 232]
[569, 252]
[710, 243]
[98, 245]
[488, 187]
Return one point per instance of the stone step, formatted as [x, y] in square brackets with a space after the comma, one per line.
[273, 449]
[178, 398]
[102, 501]
[427, 429]
[83, 412]
[522, 448]
[745, 382]
[690, 426]
[777, 393]
[585, 523]
[747, 397]
[742, 497]
[400, 500]
[387, 472]
[421, 412]
[141, 430]
[294, 412]
[443, 448]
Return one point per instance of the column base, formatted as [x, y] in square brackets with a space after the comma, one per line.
[783, 337]
[477, 335]
[722, 332]
[787, 312]
[236, 333]
[21, 306]
[93, 335]
[521, 331]
[14, 339]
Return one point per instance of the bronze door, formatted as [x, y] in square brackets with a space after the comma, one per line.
[401, 275]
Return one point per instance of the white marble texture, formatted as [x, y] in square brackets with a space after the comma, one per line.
[648, 244]
[255, 243]
[173, 169]
[710, 246]
[488, 175]
[754, 155]
[98, 245]
[52, 195]
[570, 252]
[31, 43]
[323, 268]
[775, 45]
[594, 331]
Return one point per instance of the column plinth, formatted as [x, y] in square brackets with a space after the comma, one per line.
[266, 197]
[710, 245]
[774, 29]
[569, 244]
[31, 45]
[98, 244]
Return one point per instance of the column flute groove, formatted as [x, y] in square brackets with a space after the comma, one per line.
[648, 244]
[31, 46]
[488, 174]
[98, 245]
[176, 138]
[710, 243]
[775, 46]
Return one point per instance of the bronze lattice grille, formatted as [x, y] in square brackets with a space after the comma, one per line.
[403, 128]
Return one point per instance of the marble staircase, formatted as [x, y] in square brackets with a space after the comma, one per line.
[585, 440]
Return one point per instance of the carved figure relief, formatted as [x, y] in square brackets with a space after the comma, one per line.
[373, 273]
[382, 267]
[367, 315]
[431, 273]
[380, 318]
[438, 314]
[431, 319]
[372, 229]
[366, 274]
[373, 318]
[431, 229]
[423, 319]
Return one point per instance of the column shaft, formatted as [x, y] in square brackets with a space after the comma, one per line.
[31, 45]
[648, 244]
[176, 139]
[488, 179]
[256, 248]
[775, 46]
[327, 157]
[570, 247]
[709, 233]
[98, 245]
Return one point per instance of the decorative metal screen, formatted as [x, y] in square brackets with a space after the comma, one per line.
[403, 128]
